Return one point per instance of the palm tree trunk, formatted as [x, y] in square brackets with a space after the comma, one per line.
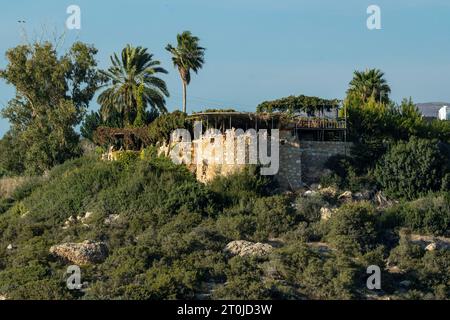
[184, 96]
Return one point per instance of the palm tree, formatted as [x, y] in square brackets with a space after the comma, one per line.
[133, 85]
[187, 56]
[369, 83]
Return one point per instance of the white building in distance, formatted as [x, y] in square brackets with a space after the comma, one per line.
[444, 113]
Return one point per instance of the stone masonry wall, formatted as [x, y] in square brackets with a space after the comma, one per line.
[300, 161]
[316, 153]
[289, 174]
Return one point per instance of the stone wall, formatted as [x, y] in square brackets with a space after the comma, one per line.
[316, 153]
[299, 161]
[213, 154]
[304, 161]
[289, 175]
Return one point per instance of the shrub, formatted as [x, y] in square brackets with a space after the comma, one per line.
[406, 254]
[244, 281]
[427, 270]
[434, 273]
[347, 172]
[27, 187]
[340, 165]
[8, 185]
[236, 227]
[356, 222]
[274, 216]
[53, 289]
[330, 277]
[161, 129]
[241, 186]
[411, 169]
[309, 208]
[429, 215]
[127, 158]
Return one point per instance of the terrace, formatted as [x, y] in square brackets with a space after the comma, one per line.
[314, 128]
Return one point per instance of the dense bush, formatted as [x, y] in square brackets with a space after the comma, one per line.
[242, 186]
[429, 215]
[333, 277]
[428, 271]
[411, 169]
[161, 129]
[350, 172]
[12, 159]
[354, 225]
[274, 216]
[309, 208]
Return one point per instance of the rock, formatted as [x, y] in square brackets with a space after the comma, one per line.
[395, 270]
[359, 196]
[87, 252]
[245, 248]
[111, 219]
[69, 222]
[381, 200]
[429, 243]
[346, 196]
[72, 220]
[321, 247]
[87, 215]
[310, 193]
[328, 192]
[326, 213]
[315, 186]
[366, 195]
[405, 283]
[10, 247]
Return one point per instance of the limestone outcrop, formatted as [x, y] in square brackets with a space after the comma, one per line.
[246, 248]
[326, 213]
[84, 253]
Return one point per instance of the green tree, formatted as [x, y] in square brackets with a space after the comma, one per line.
[369, 83]
[411, 169]
[163, 126]
[11, 161]
[139, 121]
[94, 120]
[409, 120]
[354, 224]
[187, 56]
[373, 126]
[134, 68]
[52, 94]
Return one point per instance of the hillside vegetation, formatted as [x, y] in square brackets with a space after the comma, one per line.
[169, 232]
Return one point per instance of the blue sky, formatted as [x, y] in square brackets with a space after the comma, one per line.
[258, 49]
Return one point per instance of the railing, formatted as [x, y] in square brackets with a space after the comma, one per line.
[320, 123]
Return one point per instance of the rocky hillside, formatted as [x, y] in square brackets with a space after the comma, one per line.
[146, 229]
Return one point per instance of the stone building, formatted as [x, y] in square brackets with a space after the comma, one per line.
[305, 144]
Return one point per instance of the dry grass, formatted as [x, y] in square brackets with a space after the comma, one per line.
[9, 184]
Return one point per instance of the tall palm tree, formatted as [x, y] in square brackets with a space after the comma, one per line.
[133, 81]
[370, 83]
[187, 56]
